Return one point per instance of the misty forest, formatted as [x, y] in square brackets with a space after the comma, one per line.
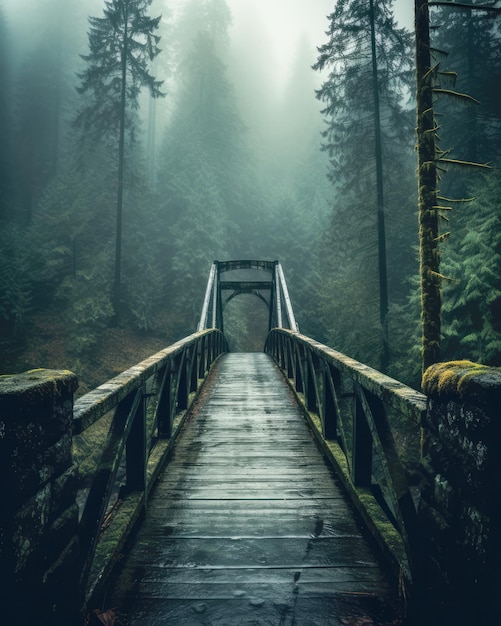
[142, 139]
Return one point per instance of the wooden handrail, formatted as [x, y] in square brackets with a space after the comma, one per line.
[349, 404]
[143, 405]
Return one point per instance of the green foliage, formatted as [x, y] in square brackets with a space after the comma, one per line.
[86, 298]
[121, 44]
[15, 282]
[347, 266]
[347, 93]
[201, 176]
[472, 300]
[405, 338]
[470, 40]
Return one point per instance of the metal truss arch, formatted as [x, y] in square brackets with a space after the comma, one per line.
[278, 301]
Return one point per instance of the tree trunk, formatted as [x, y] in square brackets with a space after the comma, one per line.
[117, 289]
[383, 278]
[429, 255]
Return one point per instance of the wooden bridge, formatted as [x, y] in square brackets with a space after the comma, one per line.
[247, 524]
[220, 488]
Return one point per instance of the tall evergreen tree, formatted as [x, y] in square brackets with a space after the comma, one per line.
[367, 138]
[205, 170]
[434, 83]
[468, 44]
[468, 39]
[472, 301]
[200, 174]
[121, 45]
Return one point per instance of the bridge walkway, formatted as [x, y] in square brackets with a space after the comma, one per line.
[247, 524]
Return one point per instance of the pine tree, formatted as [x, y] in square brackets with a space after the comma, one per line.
[200, 172]
[205, 173]
[472, 301]
[121, 45]
[433, 161]
[368, 140]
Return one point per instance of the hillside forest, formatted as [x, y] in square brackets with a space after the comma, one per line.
[142, 139]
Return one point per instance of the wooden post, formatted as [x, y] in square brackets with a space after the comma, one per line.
[330, 409]
[362, 448]
[164, 408]
[136, 450]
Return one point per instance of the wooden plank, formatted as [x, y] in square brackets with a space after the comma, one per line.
[247, 525]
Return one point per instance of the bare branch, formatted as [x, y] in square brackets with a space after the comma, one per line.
[462, 5]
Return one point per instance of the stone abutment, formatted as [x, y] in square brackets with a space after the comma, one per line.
[39, 556]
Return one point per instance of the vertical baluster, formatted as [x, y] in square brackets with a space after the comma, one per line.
[298, 377]
[182, 380]
[194, 367]
[329, 403]
[202, 360]
[311, 389]
[362, 447]
[135, 455]
[289, 358]
[164, 407]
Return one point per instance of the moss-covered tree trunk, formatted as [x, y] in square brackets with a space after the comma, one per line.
[427, 192]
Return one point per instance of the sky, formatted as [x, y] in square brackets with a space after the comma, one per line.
[287, 21]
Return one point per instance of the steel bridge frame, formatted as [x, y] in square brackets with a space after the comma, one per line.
[278, 300]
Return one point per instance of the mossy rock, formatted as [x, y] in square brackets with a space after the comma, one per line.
[464, 381]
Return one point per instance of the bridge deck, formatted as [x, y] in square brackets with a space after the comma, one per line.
[247, 525]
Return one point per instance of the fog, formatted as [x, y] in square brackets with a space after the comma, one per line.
[249, 153]
[283, 22]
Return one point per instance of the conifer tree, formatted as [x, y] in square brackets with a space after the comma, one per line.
[201, 155]
[368, 134]
[433, 161]
[122, 43]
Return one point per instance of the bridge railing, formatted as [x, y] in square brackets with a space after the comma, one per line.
[122, 434]
[350, 406]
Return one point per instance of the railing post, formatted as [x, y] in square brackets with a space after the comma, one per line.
[330, 409]
[202, 357]
[281, 350]
[194, 368]
[311, 383]
[362, 447]
[164, 408]
[298, 376]
[182, 378]
[135, 459]
[289, 355]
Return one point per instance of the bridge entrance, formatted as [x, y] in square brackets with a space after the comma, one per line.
[272, 291]
[247, 524]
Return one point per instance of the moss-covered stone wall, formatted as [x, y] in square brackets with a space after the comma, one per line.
[460, 511]
[38, 514]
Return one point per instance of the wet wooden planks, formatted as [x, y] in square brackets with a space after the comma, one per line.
[247, 525]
